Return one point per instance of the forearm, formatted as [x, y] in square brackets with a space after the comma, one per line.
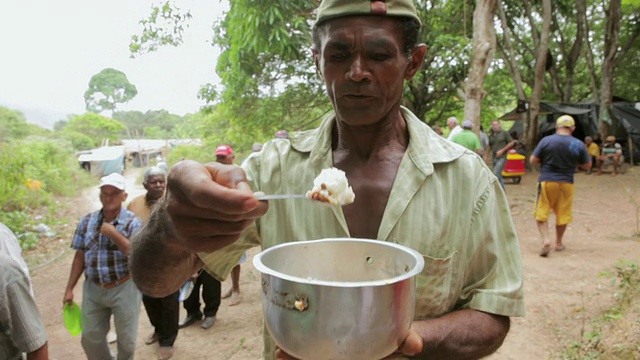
[463, 334]
[41, 354]
[159, 264]
[121, 242]
[77, 267]
[509, 146]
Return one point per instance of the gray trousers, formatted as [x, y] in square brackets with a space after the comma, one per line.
[98, 304]
[498, 166]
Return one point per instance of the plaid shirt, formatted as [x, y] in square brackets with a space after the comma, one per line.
[103, 261]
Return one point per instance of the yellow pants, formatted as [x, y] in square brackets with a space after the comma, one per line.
[556, 196]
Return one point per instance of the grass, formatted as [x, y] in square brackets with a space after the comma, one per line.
[615, 333]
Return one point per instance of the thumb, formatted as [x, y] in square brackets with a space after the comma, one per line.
[412, 344]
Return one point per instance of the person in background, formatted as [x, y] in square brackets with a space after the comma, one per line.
[499, 144]
[282, 134]
[10, 246]
[468, 138]
[164, 312]
[597, 139]
[437, 129]
[558, 155]
[484, 141]
[227, 156]
[21, 327]
[256, 147]
[161, 163]
[610, 154]
[518, 146]
[211, 286]
[594, 151]
[102, 244]
[452, 124]
[364, 52]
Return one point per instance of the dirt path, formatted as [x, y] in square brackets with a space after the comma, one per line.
[561, 291]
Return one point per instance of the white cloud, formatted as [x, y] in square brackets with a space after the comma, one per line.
[52, 48]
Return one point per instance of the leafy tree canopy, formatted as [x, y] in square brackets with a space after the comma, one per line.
[92, 127]
[138, 123]
[107, 89]
[13, 125]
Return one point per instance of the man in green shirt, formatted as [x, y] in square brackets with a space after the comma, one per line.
[468, 138]
[412, 187]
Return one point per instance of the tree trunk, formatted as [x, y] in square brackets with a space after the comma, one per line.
[611, 40]
[531, 133]
[484, 44]
[582, 16]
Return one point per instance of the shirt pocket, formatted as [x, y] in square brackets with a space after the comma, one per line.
[436, 286]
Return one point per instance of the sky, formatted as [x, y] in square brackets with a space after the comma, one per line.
[51, 49]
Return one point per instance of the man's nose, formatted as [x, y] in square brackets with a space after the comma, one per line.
[358, 70]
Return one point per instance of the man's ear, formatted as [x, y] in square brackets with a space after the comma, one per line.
[415, 61]
[316, 60]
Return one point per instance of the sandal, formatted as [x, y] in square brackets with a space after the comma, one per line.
[560, 248]
[545, 250]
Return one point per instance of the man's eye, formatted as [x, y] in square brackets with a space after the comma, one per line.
[380, 56]
[338, 56]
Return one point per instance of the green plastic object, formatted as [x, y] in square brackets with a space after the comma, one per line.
[72, 318]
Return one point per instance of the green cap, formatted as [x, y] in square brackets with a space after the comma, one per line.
[331, 9]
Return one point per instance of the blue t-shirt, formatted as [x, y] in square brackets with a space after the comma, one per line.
[559, 155]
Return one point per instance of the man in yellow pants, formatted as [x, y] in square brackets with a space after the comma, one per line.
[557, 155]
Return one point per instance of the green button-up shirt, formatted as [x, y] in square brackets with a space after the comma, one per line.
[445, 203]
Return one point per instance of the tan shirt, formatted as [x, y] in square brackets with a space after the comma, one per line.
[445, 203]
[140, 207]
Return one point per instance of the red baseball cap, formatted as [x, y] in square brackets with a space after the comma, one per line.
[224, 150]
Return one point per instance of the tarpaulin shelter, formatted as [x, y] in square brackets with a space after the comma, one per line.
[103, 160]
[625, 122]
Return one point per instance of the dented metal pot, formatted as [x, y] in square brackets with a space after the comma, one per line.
[338, 298]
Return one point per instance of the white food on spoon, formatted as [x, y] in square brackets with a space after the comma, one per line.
[332, 187]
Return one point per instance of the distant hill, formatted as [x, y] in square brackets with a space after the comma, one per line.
[42, 117]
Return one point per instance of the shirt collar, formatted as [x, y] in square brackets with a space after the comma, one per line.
[425, 146]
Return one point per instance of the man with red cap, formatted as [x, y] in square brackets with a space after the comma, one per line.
[225, 155]
[211, 287]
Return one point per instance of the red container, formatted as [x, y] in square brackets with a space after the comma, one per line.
[515, 166]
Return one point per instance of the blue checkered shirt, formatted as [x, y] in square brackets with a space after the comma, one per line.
[103, 262]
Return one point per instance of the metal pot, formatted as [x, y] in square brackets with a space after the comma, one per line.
[338, 298]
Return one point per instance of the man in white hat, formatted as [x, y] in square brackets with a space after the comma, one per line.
[101, 241]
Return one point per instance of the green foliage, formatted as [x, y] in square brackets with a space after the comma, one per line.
[269, 80]
[48, 161]
[164, 26]
[13, 125]
[203, 154]
[19, 222]
[91, 129]
[158, 124]
[108, 88]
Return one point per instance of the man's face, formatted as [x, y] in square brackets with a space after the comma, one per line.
[225, 159]
[451, 124]
[495, 125]
[362, 63]
[112, 198]
[155, 185]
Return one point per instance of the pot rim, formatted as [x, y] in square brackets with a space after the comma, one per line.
[417, 269]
